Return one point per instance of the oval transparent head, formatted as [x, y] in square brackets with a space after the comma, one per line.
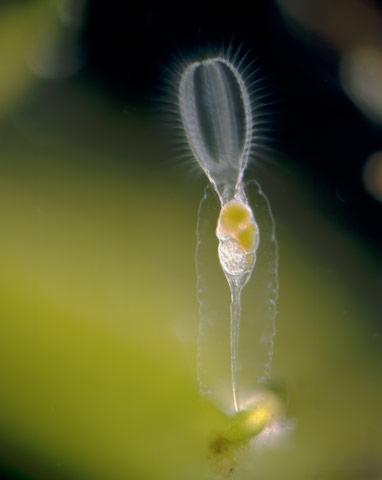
[216, 116]
[258, 308]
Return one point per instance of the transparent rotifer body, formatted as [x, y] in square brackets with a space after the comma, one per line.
[250, 323]
[237, 257]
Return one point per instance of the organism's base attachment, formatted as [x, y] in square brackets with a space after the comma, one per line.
[266, 411]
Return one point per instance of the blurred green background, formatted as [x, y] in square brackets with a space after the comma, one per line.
[98, 311]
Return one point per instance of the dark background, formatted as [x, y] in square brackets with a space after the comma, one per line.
[85, 191]
[128, 49]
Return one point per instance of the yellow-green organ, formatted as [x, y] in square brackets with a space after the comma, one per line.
[238, 237]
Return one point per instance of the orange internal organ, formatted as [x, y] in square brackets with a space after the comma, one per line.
[236, 221]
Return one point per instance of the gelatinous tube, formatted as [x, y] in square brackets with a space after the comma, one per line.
[257, 308]
[217, 119]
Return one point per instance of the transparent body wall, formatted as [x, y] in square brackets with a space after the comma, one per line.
[236, 253]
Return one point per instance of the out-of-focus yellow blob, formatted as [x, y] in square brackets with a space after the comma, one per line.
[266, 408]
[259, 417]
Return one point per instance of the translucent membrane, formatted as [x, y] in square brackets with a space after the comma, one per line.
[235, 336]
